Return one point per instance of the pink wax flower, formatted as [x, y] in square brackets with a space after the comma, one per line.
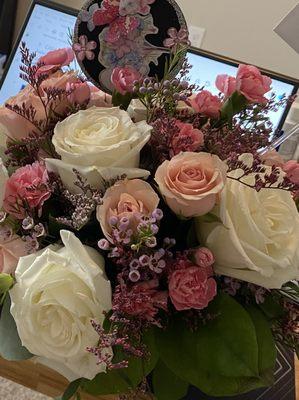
[187, 139]
[226, 84]
[26, 188]
[291, 168]
[12, 247]
[191, 287]
[79, 92]
[123, 79]
[55, 59]
[144, 300]
[206, 103]
[252, 84]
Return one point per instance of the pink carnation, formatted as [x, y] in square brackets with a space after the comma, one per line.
[27, 188]
[291, 168]
[55, 59]
[187, 139]
[191, 287]
[226, 84]
[206, 103]
[143, 301]
[252, 84]
[123, 79]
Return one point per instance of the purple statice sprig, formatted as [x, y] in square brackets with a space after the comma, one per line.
[114, 338]
[264, 177]
[79, 206]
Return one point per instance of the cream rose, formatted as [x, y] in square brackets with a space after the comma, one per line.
[99, 142]
[191, 182]
[57, 293]
[259, 239]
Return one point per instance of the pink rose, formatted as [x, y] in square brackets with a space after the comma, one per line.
[191, 288]
[55, 59]
[207, 104]
[26, 189]
[191, 182]
[291, 168]
[123, 79]
[144, 300]
[272, 158]
[226, 84]
[98, 98]
[12, 247]
[188, 138]
[16, 127]
[126, 199]
[252, 84]
[79, 92]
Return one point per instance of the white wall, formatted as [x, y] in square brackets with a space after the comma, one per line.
[241, 29]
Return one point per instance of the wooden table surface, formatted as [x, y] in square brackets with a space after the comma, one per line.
[48, 382]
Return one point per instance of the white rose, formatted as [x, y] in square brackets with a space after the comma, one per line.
[99, 142]
[259, 239]
[57, 293]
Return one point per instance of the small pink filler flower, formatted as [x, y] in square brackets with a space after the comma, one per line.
[27, 188]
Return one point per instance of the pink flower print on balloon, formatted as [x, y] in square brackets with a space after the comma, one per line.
[119, 25]
[84, 49]
[131, 7]
[176, 38]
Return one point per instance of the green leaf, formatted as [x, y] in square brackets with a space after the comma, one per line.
[167, 385]
[210, 218]
[232, 106]
[122, 100]
[6, 282]
[267, 350]
[220, 358]
[10, 344]
[122, 380]
[71, 390]
[272, 308]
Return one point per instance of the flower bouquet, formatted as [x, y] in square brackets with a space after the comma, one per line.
[152, 245]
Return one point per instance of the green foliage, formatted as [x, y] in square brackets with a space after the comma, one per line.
[272, 308]
[122, 380]
[6, 282]
[232, 106]
[223, 357]
[167, 385]
[10, 344]
[71, 391]
[121, 100]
